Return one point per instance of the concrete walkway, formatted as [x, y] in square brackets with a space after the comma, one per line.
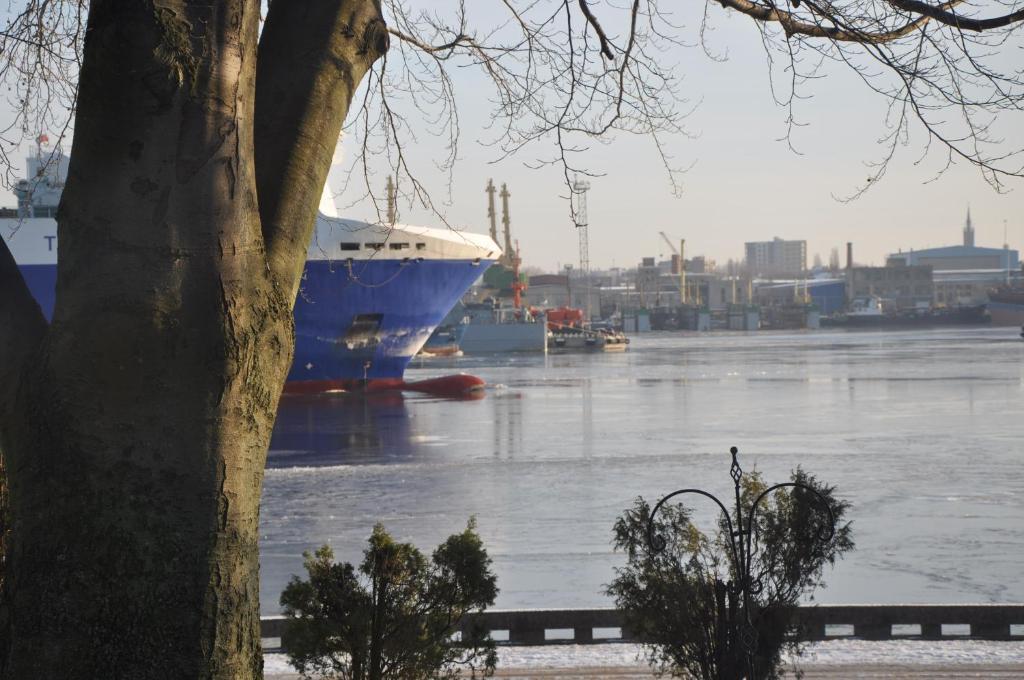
[811, 672]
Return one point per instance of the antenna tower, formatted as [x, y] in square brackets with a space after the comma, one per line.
[580, 187]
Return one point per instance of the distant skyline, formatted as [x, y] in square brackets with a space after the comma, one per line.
[743, 183]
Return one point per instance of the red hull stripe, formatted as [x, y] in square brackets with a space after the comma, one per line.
[449, 385]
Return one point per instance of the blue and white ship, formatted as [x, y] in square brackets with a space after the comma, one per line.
[370, 295]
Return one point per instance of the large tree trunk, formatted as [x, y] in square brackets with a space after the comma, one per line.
[140, 433]
[137, 424]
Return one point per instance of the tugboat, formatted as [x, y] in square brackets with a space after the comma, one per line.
[489, 327]
[568, 331]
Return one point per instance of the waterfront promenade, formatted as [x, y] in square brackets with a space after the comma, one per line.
[830, 660]
[858, 671]
[811, 672]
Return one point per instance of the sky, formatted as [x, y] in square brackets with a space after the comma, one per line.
[743, 182]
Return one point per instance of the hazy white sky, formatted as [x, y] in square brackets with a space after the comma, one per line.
[744, 183]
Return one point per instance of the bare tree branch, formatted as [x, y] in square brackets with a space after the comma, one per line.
[40, 56]
[564, 75]
[941, 13]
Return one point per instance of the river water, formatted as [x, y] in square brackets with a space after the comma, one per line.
[922, 431]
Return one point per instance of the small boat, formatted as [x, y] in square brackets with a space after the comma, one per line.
[583, 338]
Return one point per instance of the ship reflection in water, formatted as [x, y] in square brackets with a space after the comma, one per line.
[340, 429]
[343, 428]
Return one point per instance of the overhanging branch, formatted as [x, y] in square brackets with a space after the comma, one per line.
[792, 24]
[943, 14]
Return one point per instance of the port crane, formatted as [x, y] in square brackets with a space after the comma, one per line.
[579, 193]
[683, 297]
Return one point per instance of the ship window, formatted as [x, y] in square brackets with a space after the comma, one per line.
[421, 246]
[375, 246]
[399, 246]
[349, 246]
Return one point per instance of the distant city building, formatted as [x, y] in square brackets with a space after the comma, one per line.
[700, 265]
[828, 294]
[906, 286]
[970, 287]
[962, 257]
[776, 257]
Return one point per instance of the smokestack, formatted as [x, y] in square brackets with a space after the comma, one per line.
[849, 272]
[682, 271]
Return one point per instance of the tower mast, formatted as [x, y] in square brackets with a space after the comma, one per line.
[579, 192]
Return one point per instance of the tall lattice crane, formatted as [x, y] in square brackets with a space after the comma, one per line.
[580, 187]
[671, 246]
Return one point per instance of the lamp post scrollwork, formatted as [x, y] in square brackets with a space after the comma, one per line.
[740, 591]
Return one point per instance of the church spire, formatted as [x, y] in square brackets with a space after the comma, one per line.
[968, 230]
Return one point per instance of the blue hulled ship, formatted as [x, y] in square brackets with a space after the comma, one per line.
[370, 294]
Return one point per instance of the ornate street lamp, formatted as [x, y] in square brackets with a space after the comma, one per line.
[740, 553]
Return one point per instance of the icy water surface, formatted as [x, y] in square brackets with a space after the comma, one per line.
[922, 431]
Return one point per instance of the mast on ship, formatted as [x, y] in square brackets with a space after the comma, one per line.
[517, 284]
[490, 191]
[506, 221]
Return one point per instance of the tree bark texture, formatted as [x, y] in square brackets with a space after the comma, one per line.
[137, 424]
[312, 58]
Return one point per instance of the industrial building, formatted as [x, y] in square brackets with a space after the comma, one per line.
[905, 286]
[963, 274]
[827, 294]
[776, 257]
[549, 290]
[961, 257]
